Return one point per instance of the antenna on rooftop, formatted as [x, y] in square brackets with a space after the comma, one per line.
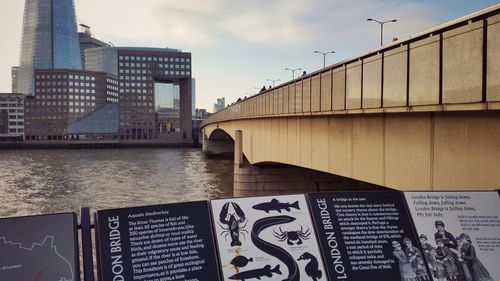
[86, 29]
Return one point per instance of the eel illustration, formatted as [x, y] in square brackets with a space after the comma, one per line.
[273, 250]
[276, 205]
[256, 273]
[312, 267]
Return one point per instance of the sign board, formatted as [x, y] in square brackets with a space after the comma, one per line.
[40, 247]
[459, 233]
[268, 238]
[367, 234]
[156, 243]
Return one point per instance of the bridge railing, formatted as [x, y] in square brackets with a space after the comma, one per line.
[454, 66]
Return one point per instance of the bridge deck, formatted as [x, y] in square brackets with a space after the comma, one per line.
[451, 67]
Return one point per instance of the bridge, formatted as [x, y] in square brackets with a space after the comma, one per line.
[421, 113]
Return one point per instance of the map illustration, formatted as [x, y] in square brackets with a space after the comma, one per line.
[38, 261]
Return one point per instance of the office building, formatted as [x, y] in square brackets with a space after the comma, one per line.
[11, 117]
[49, 40]
[140, 71]
[87, 41]
[65, 96]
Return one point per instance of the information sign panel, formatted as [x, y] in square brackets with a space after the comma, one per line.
[459, 233]
[40, 247]
[367, 234]
[157, 243]
[267, 238]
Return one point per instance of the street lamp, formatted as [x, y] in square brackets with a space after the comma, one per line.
[324, 56]
[293, 71]
[274, 81]
[382, 28]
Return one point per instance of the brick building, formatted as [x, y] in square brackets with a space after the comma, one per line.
[63, 96]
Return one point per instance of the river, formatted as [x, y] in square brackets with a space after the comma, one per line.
[59, 180]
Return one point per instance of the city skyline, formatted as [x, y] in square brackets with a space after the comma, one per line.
[234, 49]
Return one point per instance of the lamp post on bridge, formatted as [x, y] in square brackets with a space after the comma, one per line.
[274, 81]
[381, 28]
[324, 56]
[293, 71]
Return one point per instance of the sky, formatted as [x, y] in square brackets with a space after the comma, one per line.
[237, 45]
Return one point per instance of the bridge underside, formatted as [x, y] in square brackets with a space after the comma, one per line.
[416, 151]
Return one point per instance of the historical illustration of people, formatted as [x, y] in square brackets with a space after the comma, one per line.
[405, 267]
[447, 238]
[450, 259]
[411, 262]
[476, 268]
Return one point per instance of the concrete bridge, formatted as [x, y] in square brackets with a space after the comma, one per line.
[422, 113]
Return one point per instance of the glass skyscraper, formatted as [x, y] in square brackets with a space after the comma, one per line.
[49, 40]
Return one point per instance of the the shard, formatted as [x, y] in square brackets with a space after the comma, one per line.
[49, 40]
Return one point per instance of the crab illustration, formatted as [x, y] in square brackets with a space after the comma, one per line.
[234, 223]
[292, 237]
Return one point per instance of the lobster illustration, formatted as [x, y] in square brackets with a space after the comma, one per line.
[234, 223]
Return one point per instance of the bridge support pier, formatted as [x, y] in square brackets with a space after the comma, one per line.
[254, 180]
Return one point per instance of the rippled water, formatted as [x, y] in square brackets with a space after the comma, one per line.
[46, 181]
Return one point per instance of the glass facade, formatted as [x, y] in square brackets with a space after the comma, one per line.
[167, 106]
[65, 43]
[49, 40]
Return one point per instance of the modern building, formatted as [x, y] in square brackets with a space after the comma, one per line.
[87, 40]
[14, 77]
[49, 40]
[11, 117]
[140, 71]
[64, 96]
[220, 104]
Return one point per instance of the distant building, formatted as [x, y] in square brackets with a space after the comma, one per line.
[139, 70]
[11, 117]
[49, 40]
[201, 113]
[14, 78]
[220, 104]
[193, 98]
[64, 96]
[87, 41]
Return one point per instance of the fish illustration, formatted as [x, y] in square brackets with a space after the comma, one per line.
[273, 250]
[276, 205]
[240, 261]
[256, 273]
[312, 267]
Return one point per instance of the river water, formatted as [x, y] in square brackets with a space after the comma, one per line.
[47, 181]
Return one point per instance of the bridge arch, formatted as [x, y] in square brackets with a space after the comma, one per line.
[219, 134]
